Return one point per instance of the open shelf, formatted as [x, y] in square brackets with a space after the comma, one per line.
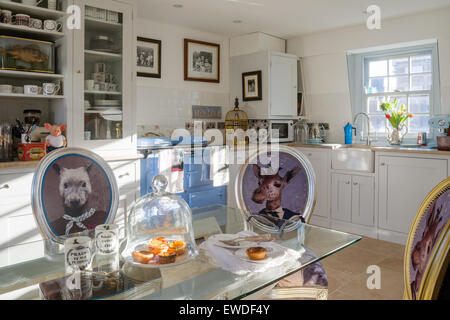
[47, 35]
[33, 11]
[29, 75]
[29, 96]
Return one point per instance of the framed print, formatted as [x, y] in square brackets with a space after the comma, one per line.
[276, 189]
[148, 58]
[201, 61]
[74, 190]
[251, 86]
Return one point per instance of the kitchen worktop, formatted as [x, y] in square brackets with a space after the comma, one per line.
[32, 164]
[397, 149]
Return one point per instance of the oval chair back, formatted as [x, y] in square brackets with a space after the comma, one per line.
[426, 253]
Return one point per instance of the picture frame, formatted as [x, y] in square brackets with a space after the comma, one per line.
[251, 86]
[201, 61]
[148, 57]
[94, 203]
[297, 196]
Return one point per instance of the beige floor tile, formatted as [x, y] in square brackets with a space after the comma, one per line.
[394, 263]
[338, 295]
[336, 278]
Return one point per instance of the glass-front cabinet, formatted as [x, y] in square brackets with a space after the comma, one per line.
[103, 76]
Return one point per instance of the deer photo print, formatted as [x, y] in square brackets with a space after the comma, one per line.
[280, 192]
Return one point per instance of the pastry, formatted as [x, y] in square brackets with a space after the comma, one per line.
[142, 256]
[179, 246]
[256, 253]
[167, 256]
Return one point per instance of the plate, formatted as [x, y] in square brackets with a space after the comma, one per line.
[187, 256]
[272, 253]
[215, 240]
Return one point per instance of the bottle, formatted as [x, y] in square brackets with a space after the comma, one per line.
[348, 130]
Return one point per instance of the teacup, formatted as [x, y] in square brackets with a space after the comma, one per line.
[50, 88]
[17, 89]
[6, 88]
[31, 89]
[52, 25]
[21, 19]
[6, 16]
[36, 23]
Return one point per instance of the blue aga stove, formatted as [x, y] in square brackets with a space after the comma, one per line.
[199, 190]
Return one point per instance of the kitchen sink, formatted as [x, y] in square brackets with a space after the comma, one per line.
[354, 158]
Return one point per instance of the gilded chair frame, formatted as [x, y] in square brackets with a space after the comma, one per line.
[439, 258]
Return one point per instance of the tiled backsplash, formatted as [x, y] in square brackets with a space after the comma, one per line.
[171, 108]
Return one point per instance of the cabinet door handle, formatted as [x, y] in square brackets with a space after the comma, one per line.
[355, 183]
[5, 186]
[382, 164]
[124, 175]
[348, 182]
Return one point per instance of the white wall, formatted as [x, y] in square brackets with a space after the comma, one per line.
[168, 101]
[325, 66]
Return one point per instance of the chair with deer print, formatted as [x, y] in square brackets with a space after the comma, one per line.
[283, 195]
[427, 249]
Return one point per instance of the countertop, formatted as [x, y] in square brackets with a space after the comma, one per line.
[399, 149]
[32, 164]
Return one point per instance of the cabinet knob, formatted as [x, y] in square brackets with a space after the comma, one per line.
[348, 182]
[382, 164]
[355, 183]
[5, 186]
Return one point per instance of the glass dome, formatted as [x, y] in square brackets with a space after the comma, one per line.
[159, 229]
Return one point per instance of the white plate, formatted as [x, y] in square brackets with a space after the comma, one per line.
[272, 253]
[215, 240]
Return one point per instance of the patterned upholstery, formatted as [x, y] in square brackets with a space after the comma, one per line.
[427, 232]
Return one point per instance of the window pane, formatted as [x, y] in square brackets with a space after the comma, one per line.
[398, 66]
[377, 124]
[421, 64]
[400, 83]
[373, 104]
[421, 82]
[419, 103]
[419, 124]
[377, 68]
[400, 100]
[377, 85]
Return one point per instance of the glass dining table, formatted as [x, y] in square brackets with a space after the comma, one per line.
[196, 279]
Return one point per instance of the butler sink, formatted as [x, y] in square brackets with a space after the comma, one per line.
[354, 158]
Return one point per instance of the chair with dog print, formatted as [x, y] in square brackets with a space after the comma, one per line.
[427, 248]
[280, 194]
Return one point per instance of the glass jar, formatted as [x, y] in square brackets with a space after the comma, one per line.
[32, 116]
[6, 142]
[159, 229]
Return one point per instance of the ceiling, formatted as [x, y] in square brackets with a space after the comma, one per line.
[283, 18]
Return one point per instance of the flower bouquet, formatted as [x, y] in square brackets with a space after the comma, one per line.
[397, 116]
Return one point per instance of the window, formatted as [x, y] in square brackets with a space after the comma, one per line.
[409, 74]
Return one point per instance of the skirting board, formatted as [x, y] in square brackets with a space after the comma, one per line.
[353, 228]
[392, 236]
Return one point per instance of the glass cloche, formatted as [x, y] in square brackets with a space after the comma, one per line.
[159, 229]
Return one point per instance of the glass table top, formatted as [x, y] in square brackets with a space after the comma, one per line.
[199, 278]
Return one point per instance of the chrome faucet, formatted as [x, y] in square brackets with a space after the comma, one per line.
[368, 125]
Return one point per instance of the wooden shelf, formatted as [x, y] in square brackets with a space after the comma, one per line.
[103, 56]
[48, 35]
[33, 11]
[113, 93]
[29, 75]
[29, 96]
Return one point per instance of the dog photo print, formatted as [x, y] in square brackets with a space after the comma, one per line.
[76, 195]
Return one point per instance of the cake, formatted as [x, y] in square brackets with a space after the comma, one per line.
[256, 253]
[167, 256]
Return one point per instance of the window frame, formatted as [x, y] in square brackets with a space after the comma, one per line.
[358, 80]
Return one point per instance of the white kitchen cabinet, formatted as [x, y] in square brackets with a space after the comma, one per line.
[363, 200]
[403, 184]
[321, 164]
[341, 197]
[94, 128]
[279, 84]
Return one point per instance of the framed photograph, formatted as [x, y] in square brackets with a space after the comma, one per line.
[148, 57]
[74, 190]
[251, 86]
[276, 189]
[201, 61]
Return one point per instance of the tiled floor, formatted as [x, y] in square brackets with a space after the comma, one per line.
[346, 271]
